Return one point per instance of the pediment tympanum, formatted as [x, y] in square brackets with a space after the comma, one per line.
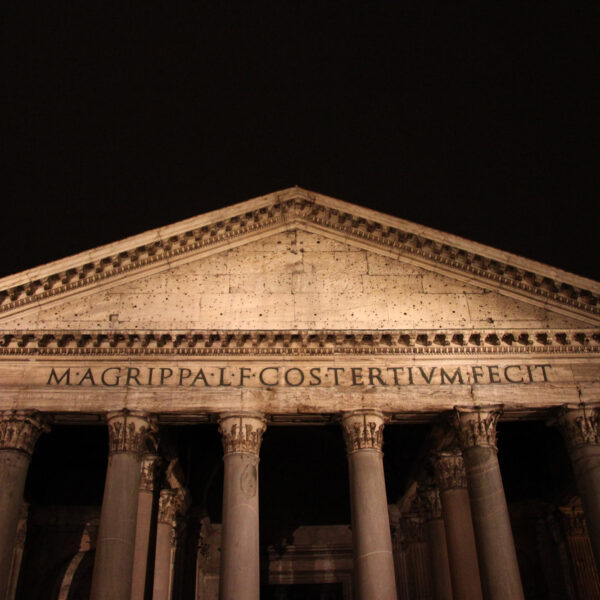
[291, 280]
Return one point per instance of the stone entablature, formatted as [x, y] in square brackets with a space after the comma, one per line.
[296, 205]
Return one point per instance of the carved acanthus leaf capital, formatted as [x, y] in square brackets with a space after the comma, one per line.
[172, 504]
[579, 425]
[431, 506]
[363, 430]
[449, 470]
[242, 432]
[477, 427]
[149, 470]
[573, 520]
[20, 430]
[130, 432]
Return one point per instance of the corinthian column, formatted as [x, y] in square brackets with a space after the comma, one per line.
[580, 426]
[436, 538]
[373, 558]
[240, 566]
[171, 506]
[144, 524]
[451, 480]
[19, 431]
[498, 565]
[128, 434]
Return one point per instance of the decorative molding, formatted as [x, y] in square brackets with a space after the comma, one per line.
[20, 430]
[477, 427]
[130, 432]
[449, 470]
[429, 502]
[579, 425]
[303, 207]
[242, 432]
[363, 430]
[149, 471]
[297, 342]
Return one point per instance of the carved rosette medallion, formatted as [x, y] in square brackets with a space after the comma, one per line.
[20, 430]
[363, 430]
[449, 470]
[431, 506]
[579, 425]
[130, 432]
[149, 469]
[477, 427]
[242, 432]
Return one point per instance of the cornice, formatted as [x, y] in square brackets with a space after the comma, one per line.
[501, 270]
[297, 342]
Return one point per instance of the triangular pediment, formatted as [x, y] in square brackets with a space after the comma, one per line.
[296, 260]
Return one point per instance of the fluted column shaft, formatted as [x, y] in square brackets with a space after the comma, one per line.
[19, 431]
[580, 426]
[436, 542]
[373, 559]
[240, 560]
[113, 565]
[144, 525]
[500, 577]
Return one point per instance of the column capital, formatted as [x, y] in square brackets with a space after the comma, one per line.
[149, 469]
[449, 470]
[363, 430]
[430, 503]
[579, 424]
[412, 526]
[477, 426]
[242, 432]
[20, 429]
[171, 505]
[130, 431]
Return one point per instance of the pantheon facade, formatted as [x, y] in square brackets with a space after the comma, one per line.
[296, 397]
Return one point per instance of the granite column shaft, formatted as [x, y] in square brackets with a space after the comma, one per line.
[580, 426]
[19, 431]
[500, 577]
[373, 559]
[240, 559]
[113, 565]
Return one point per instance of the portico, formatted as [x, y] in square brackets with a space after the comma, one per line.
[191, 347]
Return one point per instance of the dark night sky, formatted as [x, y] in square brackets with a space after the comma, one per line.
[476, 119]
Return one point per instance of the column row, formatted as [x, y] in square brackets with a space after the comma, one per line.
[471, 507]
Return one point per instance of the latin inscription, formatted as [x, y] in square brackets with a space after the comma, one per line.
[272, 376]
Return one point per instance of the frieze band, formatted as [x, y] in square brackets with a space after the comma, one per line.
[316, 376]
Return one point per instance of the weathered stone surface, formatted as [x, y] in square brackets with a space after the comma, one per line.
[291, 280]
